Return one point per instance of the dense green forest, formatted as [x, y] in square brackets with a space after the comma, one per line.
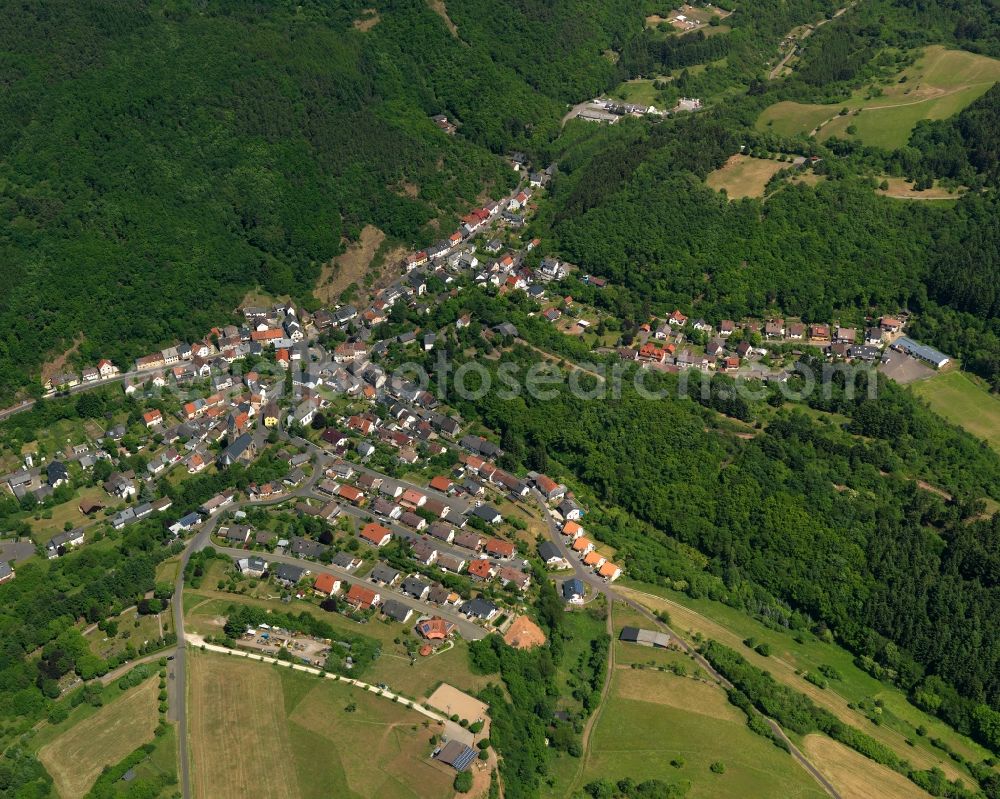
[824, 518]
[159, 159]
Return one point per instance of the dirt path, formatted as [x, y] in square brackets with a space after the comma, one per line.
[558, 359]
[808, 32]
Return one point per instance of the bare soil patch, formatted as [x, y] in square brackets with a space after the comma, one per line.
[58, 364]
[349, 267]
[449, 700]
[439, 8]
[368, 21]
[524, 634]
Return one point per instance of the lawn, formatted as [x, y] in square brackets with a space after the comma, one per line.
[961, 400]
[304, 738]
[653, 718]
[132, 629]
[76, 757]
[639, 91]
[940, 84]
[899, 719]
[743, 176]
[43, 529]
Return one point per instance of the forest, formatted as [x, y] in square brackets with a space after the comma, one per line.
[822, 518]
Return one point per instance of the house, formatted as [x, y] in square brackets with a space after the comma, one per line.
[397, 611]
[306, 548]
[846, 335]
[796, 331]
[435, 628]
[873, 337]
[287, 574]
[440, 595]
[326, 584]
[550, 554]
[252, 567]
[450, 563]
[594, 559]
[441, 484]
[507, 575]
[236, 536]
[549, 488]
[482, 570]
[487, 513]
[120, 485]
[572, 529]
[351, 494]
[582, 545]
[774, 328]
[677, 319]
[90, 374]
[424, 552]
[819, 332]
[499, 548]
[890, 325]
[413, 498]
[7, 573]
[375, 534]
[469, 540]
[478, 608]
[569, 510]
[416, 588]
[572, 591]
[56, 474]
[345, 560]
[107, 369]
[363, 598]
[61, 543]
[152, 418]
[270, 415]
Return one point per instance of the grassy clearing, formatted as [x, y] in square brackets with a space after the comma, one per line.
[133, 629]
[961, 400]
[742, 176]
[639, 91]
[940, 84]
[583, 626]
[790, 659]
[855, 776]
[75, 758]
[44, 528]
[653, 718]
[300, 737]
[902, 189]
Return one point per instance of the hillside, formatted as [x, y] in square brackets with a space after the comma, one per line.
[167, 157]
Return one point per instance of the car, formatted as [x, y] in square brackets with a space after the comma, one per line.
[170, 657]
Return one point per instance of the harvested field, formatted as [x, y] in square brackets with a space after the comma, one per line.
[855, 776]
[662, 689]
[75, 759]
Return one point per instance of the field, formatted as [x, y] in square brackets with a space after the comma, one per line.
[960, 399]
[899, 719]
[941, 83]
[638, 90]
[43, 529]
[653, 718]
[855, 776]
[743, 176]
[298, 736]
[75, 758]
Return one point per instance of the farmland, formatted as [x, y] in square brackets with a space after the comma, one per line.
[790, 659]
[299, 737]
[855, 776]
[941, 83]
[960, 399]
[75, 758]
[654, 719]
[743, 176]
